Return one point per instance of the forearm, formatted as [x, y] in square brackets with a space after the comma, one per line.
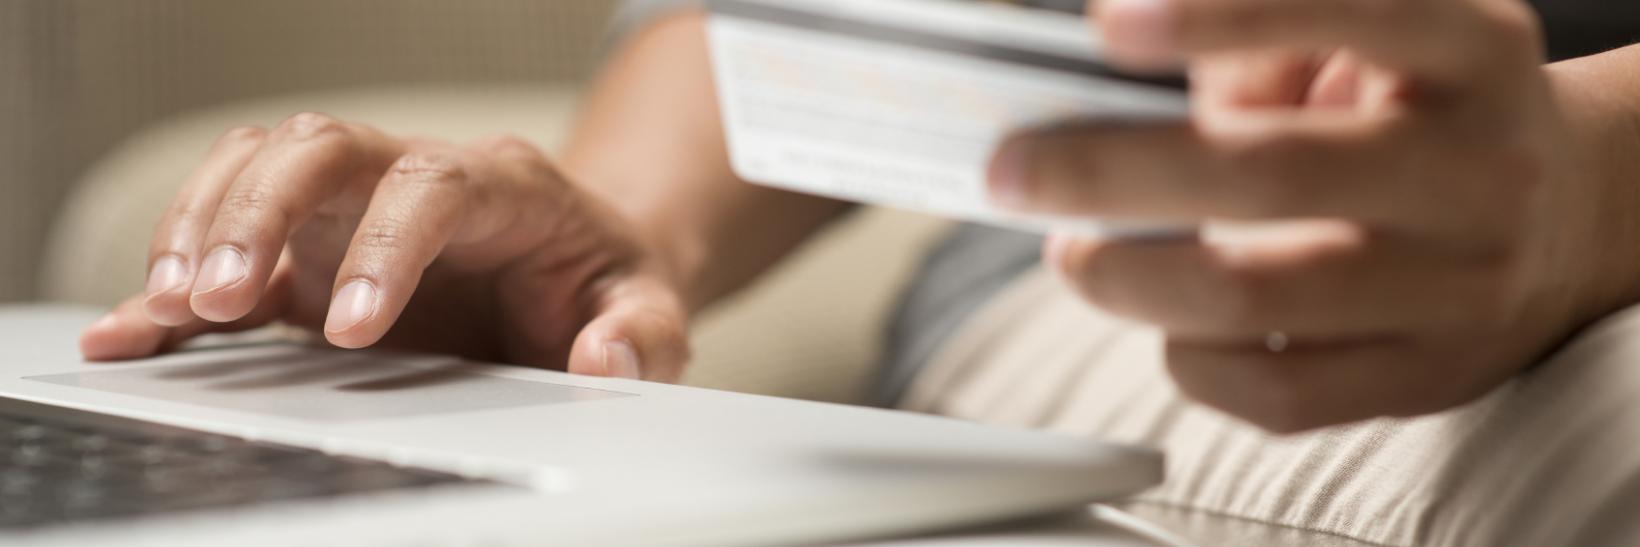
[650, 140]
[1600, 97]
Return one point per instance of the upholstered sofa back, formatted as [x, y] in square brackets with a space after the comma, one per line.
[79, 76]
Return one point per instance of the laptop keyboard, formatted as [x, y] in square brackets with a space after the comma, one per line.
[59, 465]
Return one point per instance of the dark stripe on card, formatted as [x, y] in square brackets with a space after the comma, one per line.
[805, 19]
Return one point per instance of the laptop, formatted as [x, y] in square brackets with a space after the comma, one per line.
[283, 444]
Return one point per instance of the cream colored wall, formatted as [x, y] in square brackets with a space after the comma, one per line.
[78, 76]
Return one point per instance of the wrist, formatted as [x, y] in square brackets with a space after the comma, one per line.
[1599, 100]
[681, 254]
[670, 242]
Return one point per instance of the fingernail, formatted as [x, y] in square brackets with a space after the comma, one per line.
[168, 274]
[621, 361]
[1144, 29]
[224, 267]
[107, 321]
[1010, 169]
[353, 304]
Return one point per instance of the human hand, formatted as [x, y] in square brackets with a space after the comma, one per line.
[333, 226]
[1426, 224]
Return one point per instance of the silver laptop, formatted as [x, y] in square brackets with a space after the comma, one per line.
[287, 445]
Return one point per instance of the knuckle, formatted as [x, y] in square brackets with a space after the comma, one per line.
[1383, 13]
[1243, 297]
[243, 135]
[1514, 24]
[517, 150]
[507, 144]
[383, 235]
[1276, 170]
[1252, 17]
[1203, 17]
[249, 200]
[429, 167]
[309, 126]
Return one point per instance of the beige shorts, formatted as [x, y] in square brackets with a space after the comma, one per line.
[1552, 458]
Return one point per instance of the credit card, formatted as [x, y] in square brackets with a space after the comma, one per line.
[901, 103]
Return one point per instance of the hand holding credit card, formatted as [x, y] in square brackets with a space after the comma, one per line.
[901, 103]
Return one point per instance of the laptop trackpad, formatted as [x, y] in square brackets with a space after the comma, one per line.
[331, 386]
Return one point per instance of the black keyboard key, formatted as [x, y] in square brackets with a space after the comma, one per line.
[61, 466]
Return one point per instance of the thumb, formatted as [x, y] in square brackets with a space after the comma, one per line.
[640, 332]
[128, 333]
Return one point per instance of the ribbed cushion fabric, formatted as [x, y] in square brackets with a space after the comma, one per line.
[1550, 459]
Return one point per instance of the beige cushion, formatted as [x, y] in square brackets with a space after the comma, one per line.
[1552, 458]
[809, 331]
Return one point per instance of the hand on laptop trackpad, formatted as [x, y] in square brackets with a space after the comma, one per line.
[330, 387]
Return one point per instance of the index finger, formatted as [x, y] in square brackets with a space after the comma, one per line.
[1444, 41]
[308, 160]
[1278, 167]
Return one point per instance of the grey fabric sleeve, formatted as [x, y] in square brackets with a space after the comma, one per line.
[967, 270]
[633, 14]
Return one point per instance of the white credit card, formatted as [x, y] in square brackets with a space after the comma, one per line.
[901, 103]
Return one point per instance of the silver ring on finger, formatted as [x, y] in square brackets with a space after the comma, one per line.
[1277, 342]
